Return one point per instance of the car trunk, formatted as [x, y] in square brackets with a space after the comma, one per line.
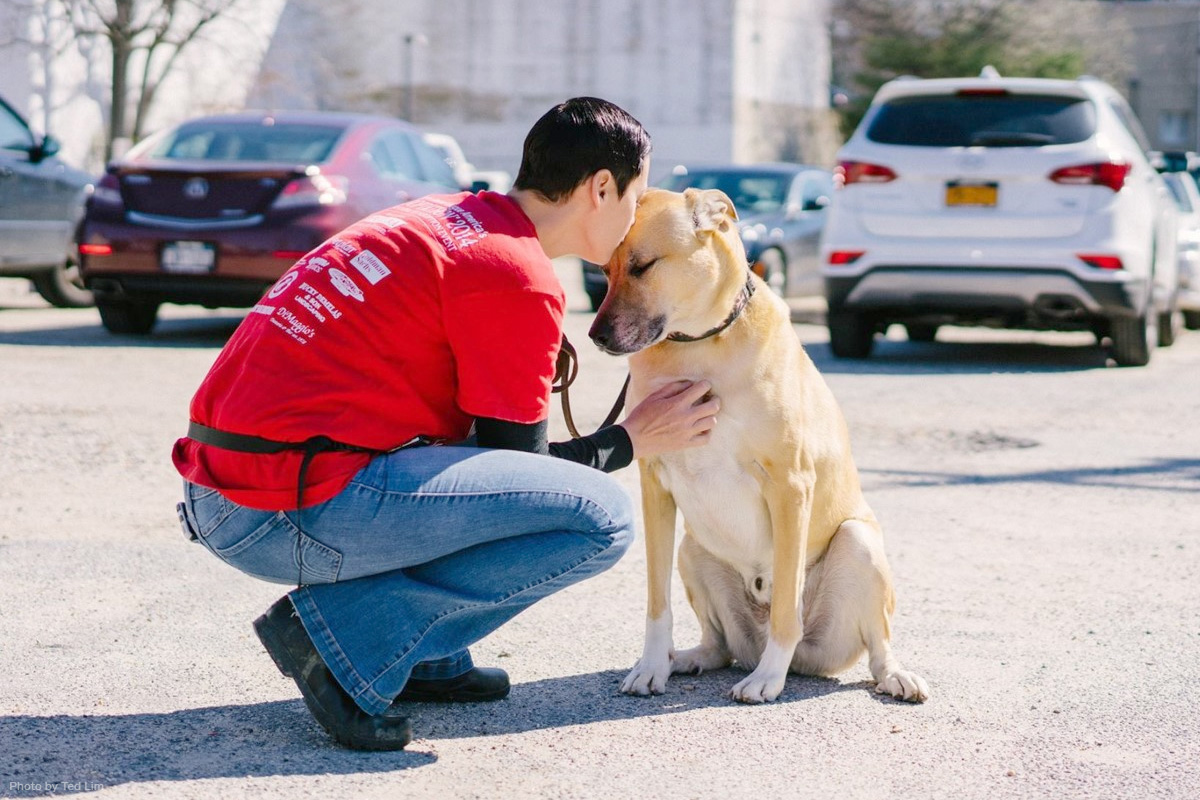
[203, 190]
[978, 193]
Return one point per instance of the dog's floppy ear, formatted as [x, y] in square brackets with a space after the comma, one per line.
[712, 210]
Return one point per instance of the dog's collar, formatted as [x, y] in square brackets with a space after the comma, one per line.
[738, 307]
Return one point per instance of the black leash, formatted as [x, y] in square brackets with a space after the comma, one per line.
[566, 369]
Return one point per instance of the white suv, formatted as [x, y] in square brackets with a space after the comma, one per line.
[1007, 202]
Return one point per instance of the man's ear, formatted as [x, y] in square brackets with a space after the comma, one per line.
[711, 209]
[600, 185]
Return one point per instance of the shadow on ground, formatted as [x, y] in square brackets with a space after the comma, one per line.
[1161, 474]
[75, 754]
[198, 332]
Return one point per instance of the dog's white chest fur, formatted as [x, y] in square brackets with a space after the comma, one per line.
[721, 499]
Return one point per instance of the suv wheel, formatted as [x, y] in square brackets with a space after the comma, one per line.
[128, 316]
[1132, 338]
[62, 287]
[850, 335]
[1169, 325]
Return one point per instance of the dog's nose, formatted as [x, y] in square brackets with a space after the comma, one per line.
[601, 332]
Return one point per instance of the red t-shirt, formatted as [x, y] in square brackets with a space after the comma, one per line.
[410, 322]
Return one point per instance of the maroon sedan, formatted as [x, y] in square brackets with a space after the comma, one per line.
[214, 210]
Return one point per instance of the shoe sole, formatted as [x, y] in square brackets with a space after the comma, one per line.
[275, 648]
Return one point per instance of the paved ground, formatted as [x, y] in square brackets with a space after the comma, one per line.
[1041, 513]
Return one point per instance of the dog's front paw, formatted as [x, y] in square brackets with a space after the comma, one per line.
[762, 686]
[648, 676]
[904, 685]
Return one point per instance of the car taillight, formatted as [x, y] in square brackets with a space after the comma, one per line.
[95, 249]
[1101, 261]
[312, 190]
[1107, 173]
[107, 191]
[848, 172]
[843, 257]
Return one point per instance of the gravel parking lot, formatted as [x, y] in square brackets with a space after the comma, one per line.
[1041, 511]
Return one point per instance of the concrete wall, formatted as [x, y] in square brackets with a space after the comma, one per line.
[485, 70]
[1163, 86]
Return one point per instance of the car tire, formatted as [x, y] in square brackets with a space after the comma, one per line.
[1132, 338]
[921, 332]
[128, 316]
[62, 287]
[1169, 325]
[1191, 320]
[772, 268]
[850, 335]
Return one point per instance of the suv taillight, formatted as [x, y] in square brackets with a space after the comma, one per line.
[848, 172]
[1107, 173]
[312, 190]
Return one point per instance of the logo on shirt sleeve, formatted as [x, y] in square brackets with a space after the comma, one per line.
[370, 266]
[345, 284]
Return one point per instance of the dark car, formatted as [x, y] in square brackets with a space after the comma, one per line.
[214, 210]
[41, 202]
[781, 212]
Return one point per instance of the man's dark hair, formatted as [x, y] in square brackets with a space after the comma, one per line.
[575, 140]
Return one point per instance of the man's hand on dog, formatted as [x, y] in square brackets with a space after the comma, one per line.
[680, 415]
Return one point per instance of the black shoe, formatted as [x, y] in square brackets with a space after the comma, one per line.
[282, 633]
[479, 685]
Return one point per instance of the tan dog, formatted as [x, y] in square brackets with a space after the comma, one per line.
[783, 559]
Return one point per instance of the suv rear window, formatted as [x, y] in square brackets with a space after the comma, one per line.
[984, 120]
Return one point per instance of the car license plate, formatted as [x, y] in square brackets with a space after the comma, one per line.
[971, 194]
[188, 257]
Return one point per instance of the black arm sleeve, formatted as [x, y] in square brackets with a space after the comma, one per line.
[607, 449]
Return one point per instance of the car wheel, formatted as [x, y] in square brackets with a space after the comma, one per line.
[850, 335]
[62, 287]
[772, 268]
[1132, 338]
[128, 316]
[1191, 320]
[1169, 325]
[919, 332]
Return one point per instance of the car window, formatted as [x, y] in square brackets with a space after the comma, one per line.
[14, 134]
[983, 120]
[433, 165]
[1130, 121]
[249, 141]
[1182, 201]
[751, 192]
[401, 162]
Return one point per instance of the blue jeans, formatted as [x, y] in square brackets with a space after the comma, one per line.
[425, 552]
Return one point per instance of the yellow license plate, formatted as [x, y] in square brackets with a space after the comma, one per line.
[973, 194]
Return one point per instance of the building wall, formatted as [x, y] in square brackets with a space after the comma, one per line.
[485, 70]
[1163, 87]
[781, 82]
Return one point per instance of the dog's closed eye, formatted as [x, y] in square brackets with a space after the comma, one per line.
[637, 270]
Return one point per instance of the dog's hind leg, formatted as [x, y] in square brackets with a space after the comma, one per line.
[848, 606]
[716, 594]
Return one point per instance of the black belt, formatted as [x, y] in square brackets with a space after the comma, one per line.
[310, 447]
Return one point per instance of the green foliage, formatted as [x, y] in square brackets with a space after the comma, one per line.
[957, 43]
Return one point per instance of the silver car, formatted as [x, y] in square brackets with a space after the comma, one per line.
[41, 204]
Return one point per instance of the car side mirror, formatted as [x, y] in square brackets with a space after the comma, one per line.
[816, 203]
[48, 146]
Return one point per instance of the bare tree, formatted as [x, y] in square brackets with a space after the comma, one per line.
[41, 26]
[146, 34]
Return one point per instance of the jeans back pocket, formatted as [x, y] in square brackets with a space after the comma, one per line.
[279, 552]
